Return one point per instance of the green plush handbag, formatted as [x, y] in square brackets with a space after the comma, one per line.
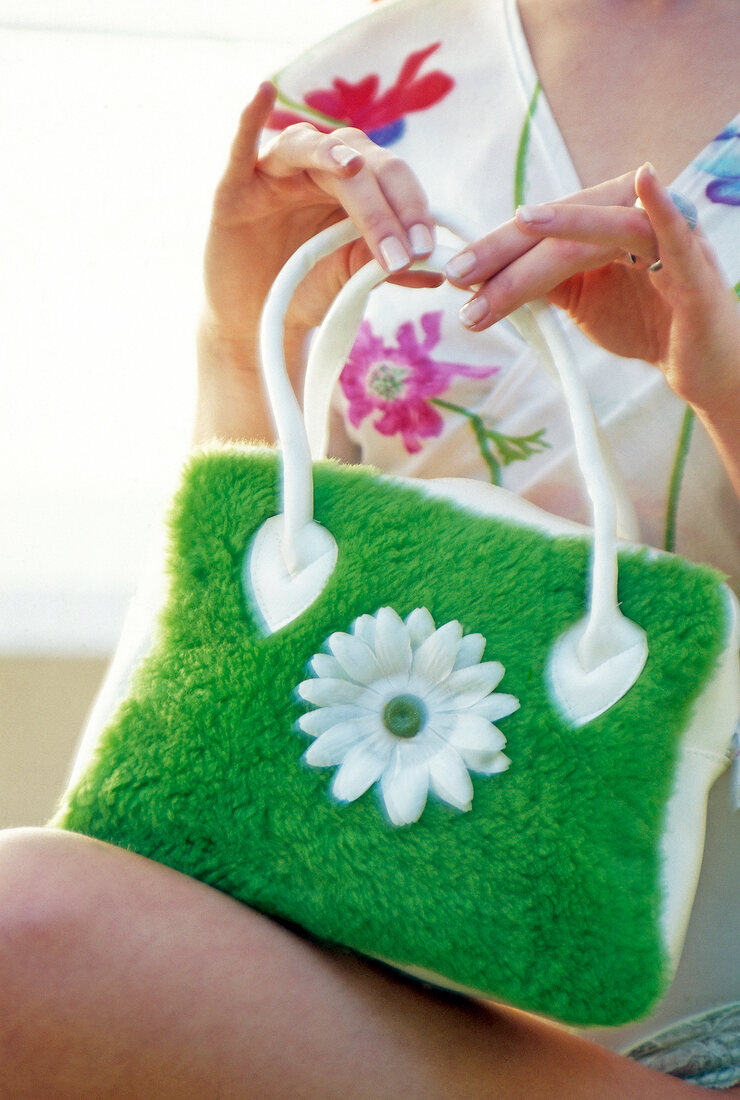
[426, 721]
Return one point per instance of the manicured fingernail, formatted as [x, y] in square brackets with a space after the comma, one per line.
[394, 254]
[535, 215]
[422, 242]
[343, 155]
[648, 170]
[473, 312]
[460, 266]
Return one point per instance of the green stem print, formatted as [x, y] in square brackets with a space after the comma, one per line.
[303, 110]
[520, 168]
[496, 448]
[674, 487]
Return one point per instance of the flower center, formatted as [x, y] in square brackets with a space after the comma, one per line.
[404, 716]
[386, 380]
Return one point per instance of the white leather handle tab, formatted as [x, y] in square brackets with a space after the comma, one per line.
[598, 659]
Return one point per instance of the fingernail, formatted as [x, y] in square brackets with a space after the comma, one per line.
[394, 254]
[535, 215]
[646, 169]
[343, 155]
[422, 242]
[473, 312]
[460, 266]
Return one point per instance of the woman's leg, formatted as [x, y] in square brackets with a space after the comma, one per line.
[121, 978]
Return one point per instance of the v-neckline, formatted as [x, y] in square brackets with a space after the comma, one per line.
[546, 121]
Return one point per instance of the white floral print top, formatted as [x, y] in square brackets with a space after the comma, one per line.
[423, 397]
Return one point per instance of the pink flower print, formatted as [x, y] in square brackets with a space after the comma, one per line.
[379, 114]
[401, 382]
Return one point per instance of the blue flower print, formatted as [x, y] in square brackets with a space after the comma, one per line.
[723, 163]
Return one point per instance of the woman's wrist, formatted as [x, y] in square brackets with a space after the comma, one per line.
[228, 403]
[718, 410]
[231, 404]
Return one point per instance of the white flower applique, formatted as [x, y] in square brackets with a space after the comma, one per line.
[408, 705]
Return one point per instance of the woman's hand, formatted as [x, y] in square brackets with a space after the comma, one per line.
[268, 204]
[593, 254]
[683, 317]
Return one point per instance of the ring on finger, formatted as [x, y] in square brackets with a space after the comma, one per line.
[690, 215]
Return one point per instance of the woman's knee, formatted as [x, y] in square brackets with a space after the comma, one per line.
[30, 903]
[43, 903]
[42, 908]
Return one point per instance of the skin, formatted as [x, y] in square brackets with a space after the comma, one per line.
[683, 318]
[264, 208]
[120, 977]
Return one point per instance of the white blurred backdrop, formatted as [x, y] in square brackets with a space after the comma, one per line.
[115, 121]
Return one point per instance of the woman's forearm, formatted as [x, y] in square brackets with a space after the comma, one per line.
[723, 428]
[231, 405]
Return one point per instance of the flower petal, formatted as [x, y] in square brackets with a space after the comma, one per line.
[323, 665]
[417, 751]
[476, 733]
[314, 722]
[333, 745]
[435, 657]
[355, 657]
[364, 628]
[486, 763]
[325, 692]
[495, 706]
[449, 779]
[470, 651]
[441, 722]
[420, 626]
[470, 685]
[404, 790]
[361, 767]
[392, 644]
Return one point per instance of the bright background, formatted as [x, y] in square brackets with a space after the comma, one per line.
[115, 122]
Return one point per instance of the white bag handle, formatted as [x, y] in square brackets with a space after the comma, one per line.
[598, 659]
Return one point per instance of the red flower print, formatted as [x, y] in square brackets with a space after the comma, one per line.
[379, 115]
[400, 382]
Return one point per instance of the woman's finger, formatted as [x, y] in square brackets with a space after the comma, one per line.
[531, 276]
[302, 148]
[483, 259]
[245, 146]
[231, 202]
[389, 206]
[679, 242]
[488, 256]
[379, 191]
[624, 229]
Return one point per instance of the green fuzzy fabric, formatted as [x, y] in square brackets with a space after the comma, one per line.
[547, 893]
